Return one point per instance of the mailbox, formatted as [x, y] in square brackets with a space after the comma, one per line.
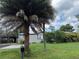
[22, 49]
[22, 52]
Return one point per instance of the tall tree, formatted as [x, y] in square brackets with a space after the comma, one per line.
[67, 28]
[25, 14]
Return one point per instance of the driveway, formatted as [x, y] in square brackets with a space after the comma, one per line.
[11, 46]
[4, 45]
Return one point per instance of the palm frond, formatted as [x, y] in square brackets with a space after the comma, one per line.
[6, 19]
[33, 29]
[7, 24]
[34, 18]
[39, 27]
[11, 22]
[18, 27]
[14, 26]
[36, 28]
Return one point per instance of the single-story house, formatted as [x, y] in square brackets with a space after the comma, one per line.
[33, 38]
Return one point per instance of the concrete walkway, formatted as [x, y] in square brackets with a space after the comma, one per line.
[4, 45]
[12, 46]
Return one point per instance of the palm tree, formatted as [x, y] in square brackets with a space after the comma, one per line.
[25, 14]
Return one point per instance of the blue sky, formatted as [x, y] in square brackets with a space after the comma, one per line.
[66, 11]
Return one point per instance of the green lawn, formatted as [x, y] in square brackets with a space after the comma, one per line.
[54, 51]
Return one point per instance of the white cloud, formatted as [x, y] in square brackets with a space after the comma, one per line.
[69, 7]
[59, 21]
[66, 11]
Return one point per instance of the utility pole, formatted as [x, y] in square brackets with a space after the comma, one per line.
[44, 35]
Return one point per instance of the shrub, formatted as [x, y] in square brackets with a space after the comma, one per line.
[49, 37]
[59, 36]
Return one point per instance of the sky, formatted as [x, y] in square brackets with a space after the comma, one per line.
[66, 10]
[65, 13]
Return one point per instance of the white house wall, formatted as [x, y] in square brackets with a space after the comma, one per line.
[33, 38]
[36, 38]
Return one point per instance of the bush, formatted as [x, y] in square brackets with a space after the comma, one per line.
[71, 37]
[60, 36]
[49, 37]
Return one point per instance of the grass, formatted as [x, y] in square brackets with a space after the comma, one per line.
[54, 51]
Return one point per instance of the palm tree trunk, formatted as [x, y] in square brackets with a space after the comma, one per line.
[26, 41]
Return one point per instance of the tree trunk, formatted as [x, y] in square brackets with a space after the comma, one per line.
[26, 41]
